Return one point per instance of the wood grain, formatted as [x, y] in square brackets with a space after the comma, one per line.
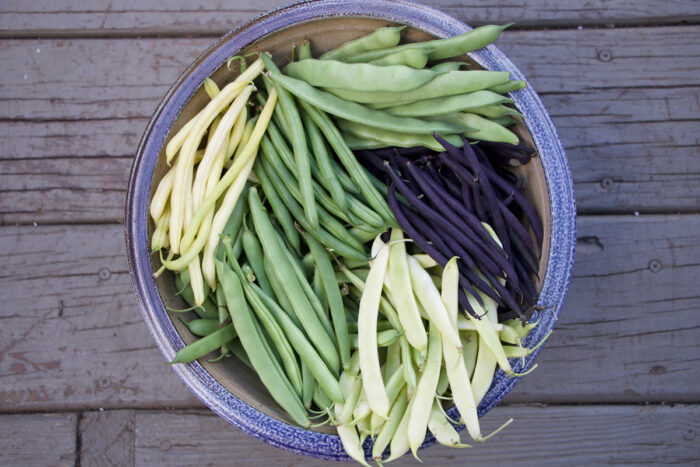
[107, 438]
[38, 439]
[655, 435]
[131, 17]
[73, 336]
[67, 137]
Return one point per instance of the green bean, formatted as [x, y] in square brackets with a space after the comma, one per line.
[305, 50]
[318, 288]
[298, 139]
[327, 175]
[221, 307]
[510, 86]
[254, 254]
[324, 270]
[358, 173]
[201, 327]
[413, 58]
[307, 263]
[344, 417]
[307, 389]
[275, 381]
[203, 346]
[311, 358]
[425, 391]
[444, 67]
[329, 222]
[506, 122]
[399, 442]
[494, 111]
[448, 104]
[327, 239]
[381, 326]
[300, 304]
[238, 350]
[321, 399]
[380, 138]
[379, 39]
[278, 207]
[233, 224]
[367, 336]
[308, 290]
[358, 76]
[279, 340]
[441, 48]
[445, 84]
[479, 128]
[355, 112]
[206, 310]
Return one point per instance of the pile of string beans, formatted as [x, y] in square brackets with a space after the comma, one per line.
[293, 256]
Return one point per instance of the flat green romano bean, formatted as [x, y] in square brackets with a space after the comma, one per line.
[441, 48]
[444, 67]
[311, 358]
[278, 207]
[510, 86]
[327, 239]
[299, 302]
[298, 139]
[357, 173]
[332, 293]
[448, 104]
[203, 346]
[355, 112]
[237, 349]
[358, 76]
[201, 327]
[381, 38]
[385, 138]
[445, 84]
[414, 58]
[275, 381]
[494, 111]
[479, 128]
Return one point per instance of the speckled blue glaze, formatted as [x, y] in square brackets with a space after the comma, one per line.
[212, 393]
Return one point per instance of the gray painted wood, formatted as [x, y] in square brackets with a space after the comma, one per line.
[67, 137]
[71, 17]
[38, 439]
[80, 341]
[107, 438]
[554, 435]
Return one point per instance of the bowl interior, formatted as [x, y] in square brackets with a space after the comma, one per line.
[324, 34]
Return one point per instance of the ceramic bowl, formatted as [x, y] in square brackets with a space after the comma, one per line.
[229, 388]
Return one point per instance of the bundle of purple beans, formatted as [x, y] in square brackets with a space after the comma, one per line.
[441, 199]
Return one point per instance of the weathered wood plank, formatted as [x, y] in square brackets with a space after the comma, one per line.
[200, 17]
[539, 436]
[73, 338]
[72, 333]
[628, 128]
[38, 439]
[107, 438]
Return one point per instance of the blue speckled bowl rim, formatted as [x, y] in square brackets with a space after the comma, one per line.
[197, 379]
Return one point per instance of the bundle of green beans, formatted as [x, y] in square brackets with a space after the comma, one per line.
[289, 240]
[384, 94]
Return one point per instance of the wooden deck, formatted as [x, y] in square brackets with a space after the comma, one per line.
[81, 381]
